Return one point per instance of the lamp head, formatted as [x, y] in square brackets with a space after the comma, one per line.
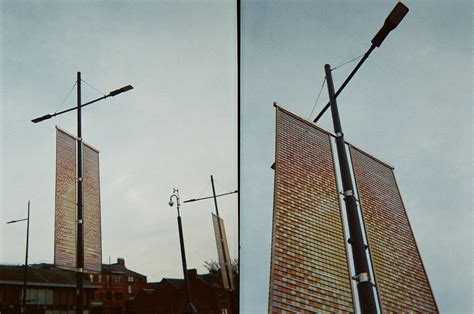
[171, 203]
[392, 21]
[120, 90]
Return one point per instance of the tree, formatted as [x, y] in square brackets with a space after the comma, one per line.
[214, 270]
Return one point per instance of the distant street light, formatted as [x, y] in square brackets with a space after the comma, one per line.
[25, 272]
[189, 307]
[391, 22]
[80, 232]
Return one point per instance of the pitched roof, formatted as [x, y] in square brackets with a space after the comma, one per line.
[41, 275]
[116, 268]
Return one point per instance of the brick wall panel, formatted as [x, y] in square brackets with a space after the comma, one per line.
[309, 270]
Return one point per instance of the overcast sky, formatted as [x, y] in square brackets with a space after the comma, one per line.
[410, 105]
[178, 125]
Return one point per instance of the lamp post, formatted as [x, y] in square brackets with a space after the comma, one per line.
[226, 258]
[361, 266]
[25, 272]
[391, 22]
[189, 307]
[80, 230]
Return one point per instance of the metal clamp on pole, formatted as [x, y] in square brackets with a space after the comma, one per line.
[362, 277]
[348, 193]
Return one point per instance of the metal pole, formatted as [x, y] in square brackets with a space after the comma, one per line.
[364, 286]
[215, 197]
[80, 240]
[109, 295]
[220, 235]
[188, 306]
[25, 273]
[366, 55]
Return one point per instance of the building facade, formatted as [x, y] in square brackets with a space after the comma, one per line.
[168, 296]
[117, 286]
[50, 290]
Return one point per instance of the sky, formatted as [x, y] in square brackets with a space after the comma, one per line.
[410, 105]
[173, 130]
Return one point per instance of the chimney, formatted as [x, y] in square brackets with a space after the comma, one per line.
[121, 261]
[192, 273]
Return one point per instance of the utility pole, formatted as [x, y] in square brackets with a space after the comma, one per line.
[361, 266]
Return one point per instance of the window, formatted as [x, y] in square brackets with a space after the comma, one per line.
[99, 296]
[130, 278]
[129, 289]
[39, 296]
[118, 296]
[116, 279]
[99, 278]
[91, 277]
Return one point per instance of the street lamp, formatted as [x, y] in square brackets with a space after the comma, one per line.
[25, 272]
[361, 265]
[189, 307]
[221, 238]
[80, 232]
[391, 22]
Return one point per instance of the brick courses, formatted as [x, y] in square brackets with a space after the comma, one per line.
[309, 269]
[400, 275]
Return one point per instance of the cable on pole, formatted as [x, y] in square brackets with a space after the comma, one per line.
[65, 98]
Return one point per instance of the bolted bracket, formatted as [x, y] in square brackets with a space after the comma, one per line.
[79, 221]
[348, 193]
[362, 277]
[339, 134]
[80, 270]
